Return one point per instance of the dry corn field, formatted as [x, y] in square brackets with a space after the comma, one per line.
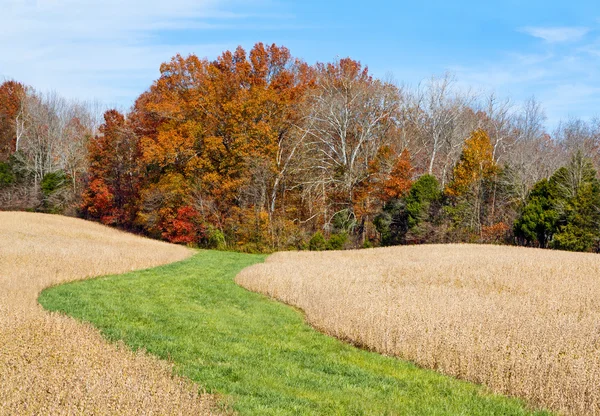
[525, 322]
[51, 364]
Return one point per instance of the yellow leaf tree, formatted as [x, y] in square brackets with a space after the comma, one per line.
[473, 177]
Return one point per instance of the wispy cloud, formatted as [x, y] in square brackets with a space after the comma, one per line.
[110, 49]
[564, 80]
[557, 34]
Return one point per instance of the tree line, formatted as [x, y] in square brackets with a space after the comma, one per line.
[261, 151]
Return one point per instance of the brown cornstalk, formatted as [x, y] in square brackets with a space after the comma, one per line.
[52, 365]
[525, 322]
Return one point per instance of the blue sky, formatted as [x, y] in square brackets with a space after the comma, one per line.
[111, 50]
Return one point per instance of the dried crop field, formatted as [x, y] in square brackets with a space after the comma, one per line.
[51, 364]
[525, 322]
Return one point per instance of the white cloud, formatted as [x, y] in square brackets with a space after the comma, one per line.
[106, 49]
[566, 83]
[557, 34]
[563, 76]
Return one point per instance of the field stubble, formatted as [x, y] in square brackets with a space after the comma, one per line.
[51, 364]
[524, 322]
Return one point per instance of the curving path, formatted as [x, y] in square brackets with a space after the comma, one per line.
[52, 365]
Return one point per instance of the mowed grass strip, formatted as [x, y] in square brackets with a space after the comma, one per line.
[51, 364]
[257, 351]
[522, 321]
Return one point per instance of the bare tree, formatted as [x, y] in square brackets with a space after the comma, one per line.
[349, 118]
[499, 124]
[534, 154]
[441, 117]
[578, 136]
[52, 135]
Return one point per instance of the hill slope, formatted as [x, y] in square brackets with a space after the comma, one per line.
[257, 351]
[522, 321]
[50, 364]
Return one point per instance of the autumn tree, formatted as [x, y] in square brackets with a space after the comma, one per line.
[470, 185]
[390, 177]
[227, 126]
[111, 195]
[399, 180]
[167, 212]
[12, 94]
[351, 118]
[258, 150]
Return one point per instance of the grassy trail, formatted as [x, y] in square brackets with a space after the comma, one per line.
[257, 352]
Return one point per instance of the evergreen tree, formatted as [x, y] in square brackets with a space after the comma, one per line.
[538, 220]
[410, 219]
[578, 203]
[563, 212]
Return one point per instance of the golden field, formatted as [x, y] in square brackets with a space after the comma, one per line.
[525, 322]
[52, 365]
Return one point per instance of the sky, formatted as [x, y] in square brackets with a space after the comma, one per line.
[111, 50]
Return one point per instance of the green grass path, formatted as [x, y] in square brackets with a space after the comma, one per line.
[257, 351]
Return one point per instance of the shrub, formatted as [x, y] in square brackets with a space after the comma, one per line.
[336, 241]
[7, 177]
[368, 244]
[495, 234]
[317, 242]
[52, 182]
[215, 239]
[184, 227]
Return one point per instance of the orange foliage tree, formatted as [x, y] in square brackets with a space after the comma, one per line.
[113, 179]
[12, 94]
[390, 177]
[222, 125]
[400, 178]
[166, 211]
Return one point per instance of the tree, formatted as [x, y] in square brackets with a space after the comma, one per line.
[259, 150]
[533, 155]
[42, 135]
[537, 222]
[441, 117]
[578, 204]
[563, 212]
[389, 176]
[470, 185]
[498, 121]
[98, 202]
[12, 94]
[350, 119]
[411, 219]
[399, 181]
[166, 211]
[113, 176]
[230, 127]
